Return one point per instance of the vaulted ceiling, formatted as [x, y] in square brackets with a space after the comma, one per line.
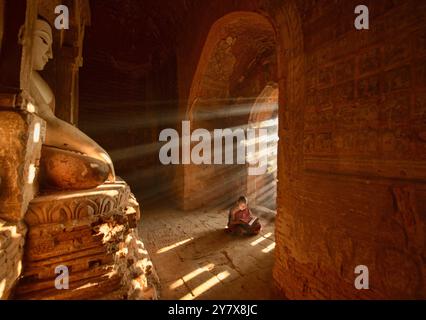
[135, 34]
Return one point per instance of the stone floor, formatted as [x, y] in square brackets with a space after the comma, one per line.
[196, 259]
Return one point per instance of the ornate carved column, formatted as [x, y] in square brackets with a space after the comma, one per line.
[71, 57]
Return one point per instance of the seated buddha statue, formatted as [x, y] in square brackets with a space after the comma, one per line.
[70, 160]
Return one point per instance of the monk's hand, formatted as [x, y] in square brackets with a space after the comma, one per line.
[234, 223]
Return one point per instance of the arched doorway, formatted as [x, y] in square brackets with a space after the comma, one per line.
[262, 189]
[237, 63]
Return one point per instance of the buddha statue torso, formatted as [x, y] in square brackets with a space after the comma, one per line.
[41, 91]
[70, 160]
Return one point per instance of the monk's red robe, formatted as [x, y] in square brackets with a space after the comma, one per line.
[243, 215]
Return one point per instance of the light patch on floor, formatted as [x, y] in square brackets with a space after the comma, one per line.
[196, 259]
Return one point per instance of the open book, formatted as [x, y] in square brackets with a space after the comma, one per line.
[253, 220]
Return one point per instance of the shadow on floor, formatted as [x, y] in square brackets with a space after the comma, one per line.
[196, 259]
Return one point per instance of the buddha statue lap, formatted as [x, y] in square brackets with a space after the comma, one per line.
[70, 160]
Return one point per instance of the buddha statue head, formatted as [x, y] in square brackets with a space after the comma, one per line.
[42, 44]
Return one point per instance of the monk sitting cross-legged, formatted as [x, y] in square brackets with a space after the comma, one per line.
[241, 221]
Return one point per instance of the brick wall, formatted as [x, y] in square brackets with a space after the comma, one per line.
[358, 192]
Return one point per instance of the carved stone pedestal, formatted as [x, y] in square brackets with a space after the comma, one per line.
[93, 234]
[20, 143]
[12, 238]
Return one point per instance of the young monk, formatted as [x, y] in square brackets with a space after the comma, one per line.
[241, 221]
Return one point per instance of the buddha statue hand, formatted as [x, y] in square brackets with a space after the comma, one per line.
[106, 157]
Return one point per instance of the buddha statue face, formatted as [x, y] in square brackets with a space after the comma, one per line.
[42, 45]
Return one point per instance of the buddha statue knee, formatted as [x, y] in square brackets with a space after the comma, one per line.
[68, 170]
[70, 160]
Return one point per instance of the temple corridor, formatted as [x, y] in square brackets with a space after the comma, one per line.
[130, 129]
[196, 259]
